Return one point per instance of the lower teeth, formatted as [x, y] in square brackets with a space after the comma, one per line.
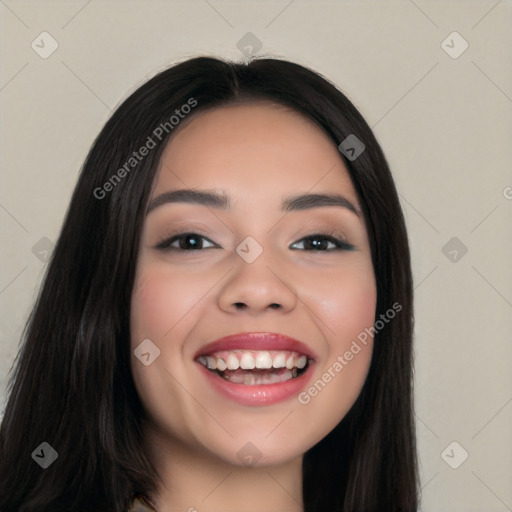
[255, 379]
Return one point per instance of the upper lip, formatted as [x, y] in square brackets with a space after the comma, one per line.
[256, 341]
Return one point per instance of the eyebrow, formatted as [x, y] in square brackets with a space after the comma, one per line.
[217, 200]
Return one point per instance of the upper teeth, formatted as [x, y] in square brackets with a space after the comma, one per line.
[250, 359]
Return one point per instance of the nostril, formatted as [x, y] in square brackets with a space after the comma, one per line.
[241, 305]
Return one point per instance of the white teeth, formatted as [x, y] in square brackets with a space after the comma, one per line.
[279, 361]
[271, 378]
[251, 359]
[250, 379]
[302, 362]
[287, 376]
[233, 362]
[247, 361]
[263, 360]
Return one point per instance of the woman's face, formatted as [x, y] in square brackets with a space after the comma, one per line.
[262, 261]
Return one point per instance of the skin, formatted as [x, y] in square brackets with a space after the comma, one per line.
[258, 154]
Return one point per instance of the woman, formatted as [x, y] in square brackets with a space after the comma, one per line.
[226, 321]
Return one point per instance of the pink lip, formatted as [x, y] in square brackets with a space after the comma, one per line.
[256, 341]
[264, 394]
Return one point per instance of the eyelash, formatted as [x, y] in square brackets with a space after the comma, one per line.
[341, 245]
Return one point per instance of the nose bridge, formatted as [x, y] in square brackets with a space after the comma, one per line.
[257, 279]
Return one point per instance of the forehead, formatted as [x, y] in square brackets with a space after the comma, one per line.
[252, 150]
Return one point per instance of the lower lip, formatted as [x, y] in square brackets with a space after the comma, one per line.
[263, 394]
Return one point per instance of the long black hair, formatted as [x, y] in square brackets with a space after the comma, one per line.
[71, 384]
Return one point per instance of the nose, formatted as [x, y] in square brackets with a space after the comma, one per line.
[258, 286]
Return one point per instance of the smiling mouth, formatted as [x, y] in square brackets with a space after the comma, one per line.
[256, 367]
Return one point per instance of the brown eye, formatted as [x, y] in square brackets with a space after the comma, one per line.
[320, 242]
[185, 242]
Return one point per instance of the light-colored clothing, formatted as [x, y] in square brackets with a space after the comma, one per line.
[140, 504]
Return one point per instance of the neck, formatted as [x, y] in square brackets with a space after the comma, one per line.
[194, 480]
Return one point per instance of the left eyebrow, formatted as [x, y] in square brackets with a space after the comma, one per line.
[221, 201]
[306, 201]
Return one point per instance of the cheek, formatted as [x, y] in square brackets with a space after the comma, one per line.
[160, 300]
[150, 296]
[346, 303]
[350, 311]
[346, 306]
[158, 303]
[161, 309]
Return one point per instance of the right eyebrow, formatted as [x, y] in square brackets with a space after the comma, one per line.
[208, 198]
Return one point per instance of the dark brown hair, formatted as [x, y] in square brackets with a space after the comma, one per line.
[72, 385]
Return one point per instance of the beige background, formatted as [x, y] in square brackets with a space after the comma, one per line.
[444, 123]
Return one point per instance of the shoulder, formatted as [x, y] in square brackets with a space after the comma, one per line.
[140, 504]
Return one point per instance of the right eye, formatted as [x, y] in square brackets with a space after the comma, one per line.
[185, 242]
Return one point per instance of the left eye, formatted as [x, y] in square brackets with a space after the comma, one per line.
[322, 243]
